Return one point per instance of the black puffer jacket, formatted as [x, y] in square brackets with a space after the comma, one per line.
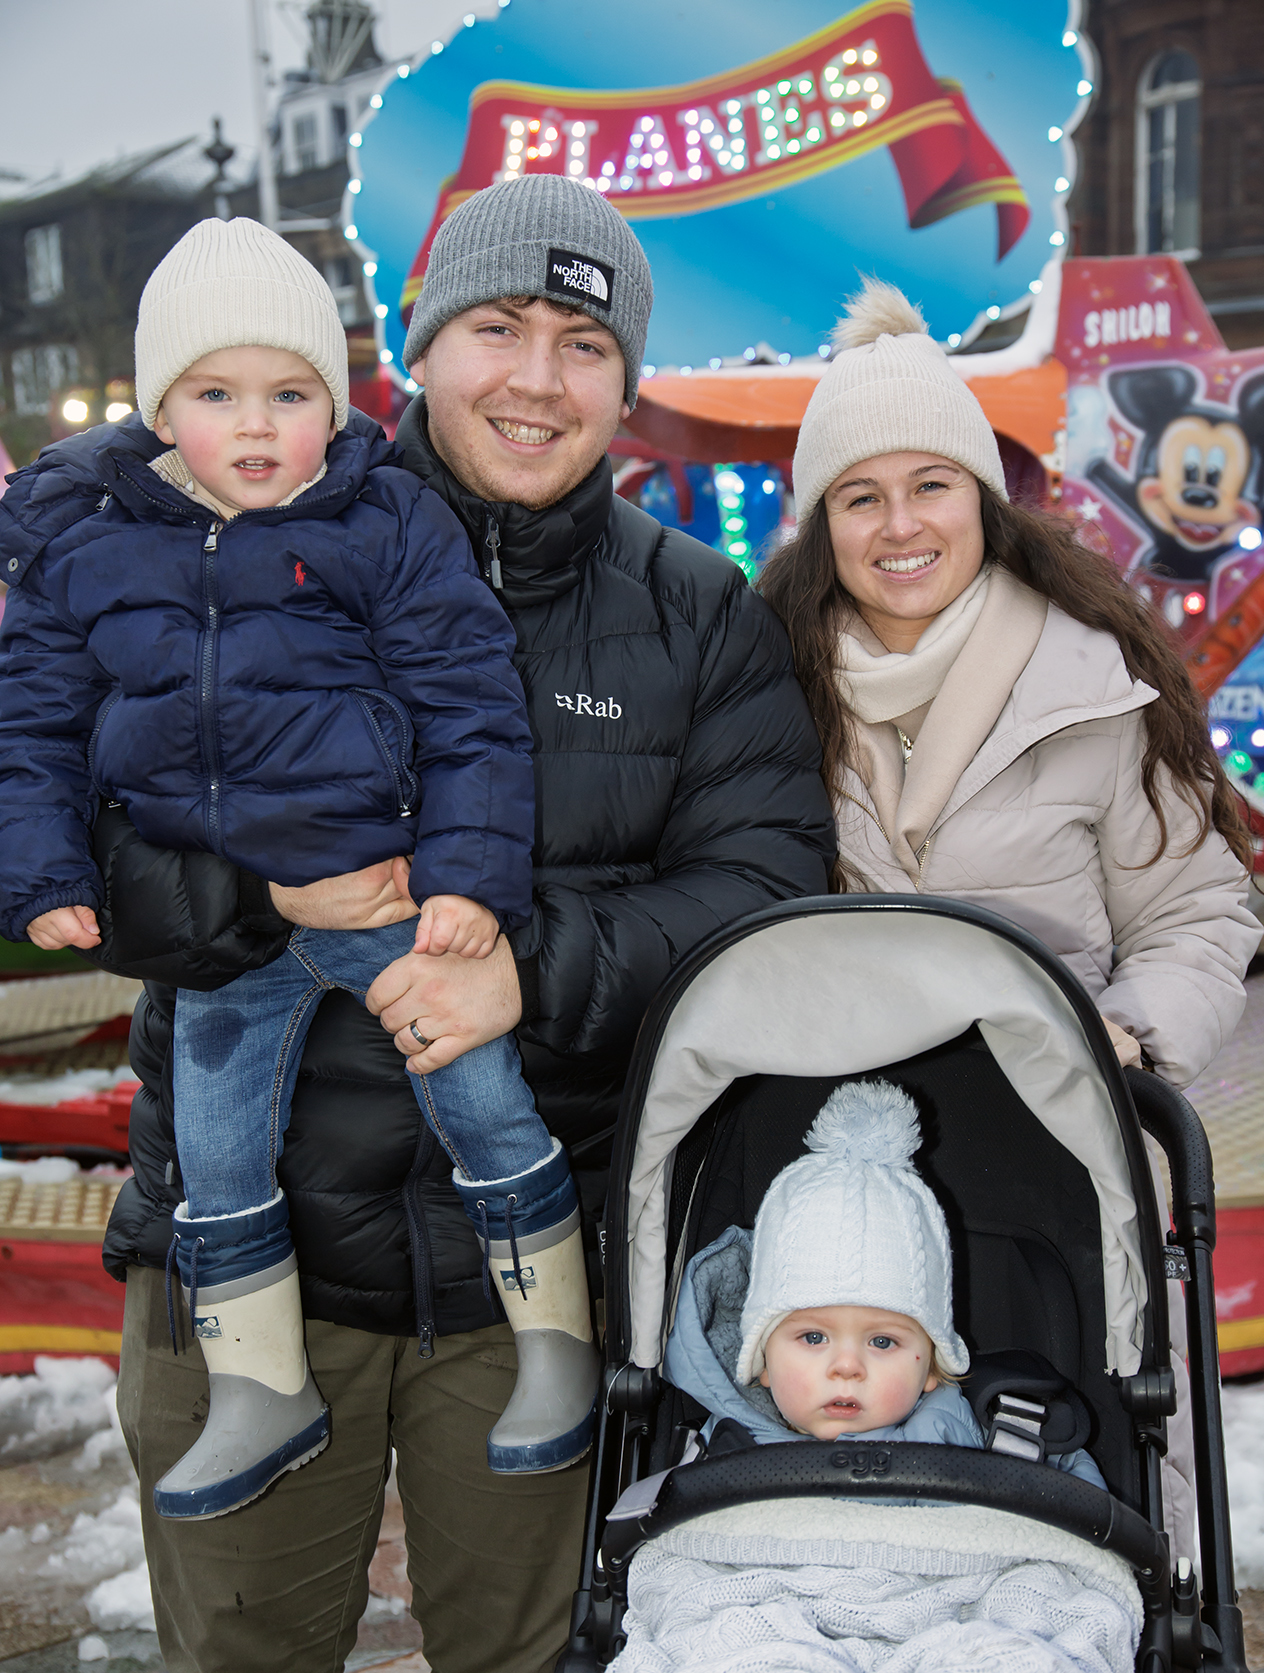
[677, 788]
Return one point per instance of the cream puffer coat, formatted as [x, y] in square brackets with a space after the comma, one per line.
[1049, 826]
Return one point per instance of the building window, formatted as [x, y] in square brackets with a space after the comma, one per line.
[305, 143]
[43, 264]
[1168, 106]
[338, 116]
[39, 373]
[342, 279]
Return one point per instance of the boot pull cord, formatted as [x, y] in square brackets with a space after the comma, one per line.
[487, 1248]
[510, 1200]
[171, 1306]
[513, 1247]
[198, 1243]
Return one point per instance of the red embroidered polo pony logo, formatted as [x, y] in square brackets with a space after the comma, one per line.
[300, 574]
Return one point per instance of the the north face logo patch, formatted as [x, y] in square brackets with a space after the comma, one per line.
[579, 276]
[207, 1326]
[510, 1281]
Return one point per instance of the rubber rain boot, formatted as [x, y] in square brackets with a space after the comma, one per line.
[266, 1415]
[533, 1252]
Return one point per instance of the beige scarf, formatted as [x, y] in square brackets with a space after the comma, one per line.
[946, 693]
[172, 468]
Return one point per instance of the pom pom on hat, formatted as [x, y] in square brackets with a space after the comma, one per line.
[879, 310]
[889, 389]
[868, 1121]
[851, 1224]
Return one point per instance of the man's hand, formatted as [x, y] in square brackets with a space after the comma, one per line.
[65, 926]
[368, 899]
[457, 1003]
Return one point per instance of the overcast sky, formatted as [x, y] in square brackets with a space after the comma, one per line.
[82, 81]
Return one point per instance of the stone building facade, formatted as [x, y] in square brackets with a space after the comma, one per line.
[1172, 151]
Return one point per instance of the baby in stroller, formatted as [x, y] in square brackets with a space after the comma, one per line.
[834, 1320]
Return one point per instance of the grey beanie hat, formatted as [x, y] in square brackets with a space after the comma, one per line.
[545, 236]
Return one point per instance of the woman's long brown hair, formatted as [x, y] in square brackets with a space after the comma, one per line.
[801, 583]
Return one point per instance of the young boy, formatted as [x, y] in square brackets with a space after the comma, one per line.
[269, 642]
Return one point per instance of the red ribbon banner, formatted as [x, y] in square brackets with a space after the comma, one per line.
[860, 83]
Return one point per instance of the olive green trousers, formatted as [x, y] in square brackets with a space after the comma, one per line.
[280, 1585]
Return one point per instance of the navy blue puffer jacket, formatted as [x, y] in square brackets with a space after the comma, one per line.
[304, 690]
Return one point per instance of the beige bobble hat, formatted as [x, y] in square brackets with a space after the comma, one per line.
[235, 284]
[889, 389]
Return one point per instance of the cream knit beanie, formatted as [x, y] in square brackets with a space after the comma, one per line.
[234, 284]
[852, 1225]
[890, 389]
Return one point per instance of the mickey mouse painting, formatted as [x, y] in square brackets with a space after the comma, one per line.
[1197, 475]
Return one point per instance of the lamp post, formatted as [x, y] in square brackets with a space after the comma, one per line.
[221, 154]
[261, 63]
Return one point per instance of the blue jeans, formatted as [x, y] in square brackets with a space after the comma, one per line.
[236, 1059]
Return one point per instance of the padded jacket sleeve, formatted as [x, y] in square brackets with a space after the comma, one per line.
[749, 825]
[445, 646]
[1183, 933]
[51, 688]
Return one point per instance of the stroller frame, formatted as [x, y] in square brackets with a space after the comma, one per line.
[1180, 1628]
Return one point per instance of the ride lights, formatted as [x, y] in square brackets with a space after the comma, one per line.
[1250, 539]
[75, 411]
[1221, 737]
[730, 493]
[1239, 762]
[1195, 603]
[1257, 738]
[117, 411]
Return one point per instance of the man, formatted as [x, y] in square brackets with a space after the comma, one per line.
[677, 788]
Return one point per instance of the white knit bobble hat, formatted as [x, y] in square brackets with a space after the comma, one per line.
[234, 284]
[889, 389]
[852, 1225]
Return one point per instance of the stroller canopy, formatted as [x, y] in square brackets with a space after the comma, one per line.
[852, 986]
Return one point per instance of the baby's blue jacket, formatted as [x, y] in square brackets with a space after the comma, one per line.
[705, 1341]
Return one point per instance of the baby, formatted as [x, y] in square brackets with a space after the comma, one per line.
[267, 640]
[835, 1317]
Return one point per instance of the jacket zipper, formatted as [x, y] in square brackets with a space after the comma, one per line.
[419, 1248]
[923, 853]
[406, 786]
[104, 710]
[491, 569]
[210, 640]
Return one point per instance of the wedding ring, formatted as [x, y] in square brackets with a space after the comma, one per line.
[420, 1038]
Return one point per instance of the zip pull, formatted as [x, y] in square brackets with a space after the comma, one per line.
[494, 574]
[104, 500]
[211, 543]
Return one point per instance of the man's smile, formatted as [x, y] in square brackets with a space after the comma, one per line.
[528, 435]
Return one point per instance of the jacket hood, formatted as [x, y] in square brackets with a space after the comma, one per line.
[706, 1339]
[542, 553]
[70, 478]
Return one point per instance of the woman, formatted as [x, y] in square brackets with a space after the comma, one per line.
[1003, 718]
[1004, 721]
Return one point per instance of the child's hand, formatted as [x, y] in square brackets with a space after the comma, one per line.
[452, 924]
[65, 926]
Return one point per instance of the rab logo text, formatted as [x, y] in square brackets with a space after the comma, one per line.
[582, 704]
[300, 574]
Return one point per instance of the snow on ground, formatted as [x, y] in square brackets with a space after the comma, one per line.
[1243, 1405]
[65, 1403]
[55, 1089]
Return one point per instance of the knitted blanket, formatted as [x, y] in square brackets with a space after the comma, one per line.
[821, 1586]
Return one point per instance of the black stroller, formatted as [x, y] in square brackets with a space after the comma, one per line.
[1032, 1144]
